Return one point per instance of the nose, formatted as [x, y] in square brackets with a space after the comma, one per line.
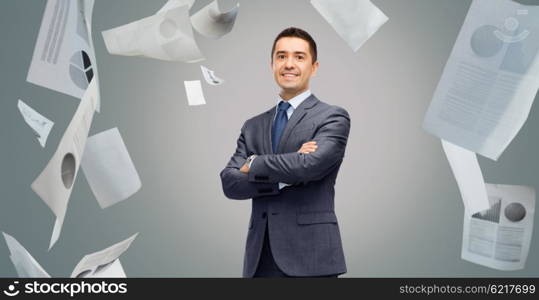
[289, 64]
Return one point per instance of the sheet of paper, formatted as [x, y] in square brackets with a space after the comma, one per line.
[110, 270]
[469, 177]
[193, 89]
[354, 20]
[500, 237]
[41, 125]
[55, 183]
[212, 23]
[24, 262]
[97, 261]
[167, 36]
[176, 3]
[490, 80]
[109, 169]
[210, 76]
[64, 58]
[88, 9]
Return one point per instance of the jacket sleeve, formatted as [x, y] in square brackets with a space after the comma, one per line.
[297, 168]
[236, 184]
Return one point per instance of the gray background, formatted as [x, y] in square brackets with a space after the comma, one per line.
[397, 201]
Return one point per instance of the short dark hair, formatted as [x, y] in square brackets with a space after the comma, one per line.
[298, 33]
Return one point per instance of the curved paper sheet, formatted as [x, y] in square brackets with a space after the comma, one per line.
[166, 36]
[469, 177]
[212, 23]
[55, 183]
[24, 262]
[41, 125]
[210, 76]
[175, 3]
[91, 264]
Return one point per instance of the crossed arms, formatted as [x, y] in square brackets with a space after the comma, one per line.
[312, 162]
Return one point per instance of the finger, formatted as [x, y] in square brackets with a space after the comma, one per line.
[306, 150]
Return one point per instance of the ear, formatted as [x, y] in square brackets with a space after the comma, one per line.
[315, 68]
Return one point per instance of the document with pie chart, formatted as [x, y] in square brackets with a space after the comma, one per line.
[64, 58]
[490, 79]
[500, 236]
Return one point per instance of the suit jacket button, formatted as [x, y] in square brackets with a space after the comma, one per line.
[264, 215]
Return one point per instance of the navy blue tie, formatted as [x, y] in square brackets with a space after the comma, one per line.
[279, 124]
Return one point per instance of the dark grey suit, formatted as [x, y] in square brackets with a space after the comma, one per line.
[303, 228]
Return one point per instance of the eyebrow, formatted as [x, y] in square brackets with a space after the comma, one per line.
[284, 52]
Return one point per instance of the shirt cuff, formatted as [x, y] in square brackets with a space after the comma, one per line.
[251, 162]
[283, 185]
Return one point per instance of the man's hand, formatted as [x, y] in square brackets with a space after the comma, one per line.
[308, 147]
[245, 168]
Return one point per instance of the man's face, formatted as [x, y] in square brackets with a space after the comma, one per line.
[293, 65]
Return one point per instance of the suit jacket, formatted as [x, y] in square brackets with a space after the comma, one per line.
[302, 225]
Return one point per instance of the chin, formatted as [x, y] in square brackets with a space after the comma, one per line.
[289, 88]
[288, 85]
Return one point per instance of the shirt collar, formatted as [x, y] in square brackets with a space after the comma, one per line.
[297, 100]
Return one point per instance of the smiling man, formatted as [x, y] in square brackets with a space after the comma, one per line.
[286, 161]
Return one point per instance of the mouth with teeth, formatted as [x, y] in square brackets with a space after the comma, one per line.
[289, 75]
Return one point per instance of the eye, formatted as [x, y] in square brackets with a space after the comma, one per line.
[300, 57]
[280, 56]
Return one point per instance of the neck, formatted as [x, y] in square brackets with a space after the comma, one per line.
[287, 95]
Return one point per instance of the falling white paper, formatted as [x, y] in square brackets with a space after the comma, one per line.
[210, 77]
[176, 3]
[55, 183]
[102, 264]
[41, 125]
[24, 262]
[500, 237]
[490, 80]
[88, 9]
[354, 20]
[109, 169]
[469, 177]
[93, 263]
[166, 36]
[193, 89]
[111, 270]
[64, 58]
[212, 23]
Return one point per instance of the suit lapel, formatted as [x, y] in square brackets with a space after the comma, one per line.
[296, 117]
[266, 138]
